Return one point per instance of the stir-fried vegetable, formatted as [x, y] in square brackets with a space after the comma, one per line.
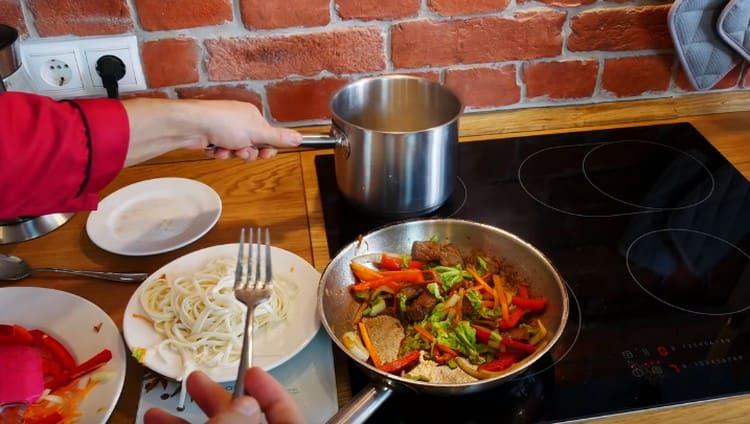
[461, 312]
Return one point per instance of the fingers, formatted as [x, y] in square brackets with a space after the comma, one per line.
[211, 397]
[267, 153]
[277, 137]
[240, 410]
[272, 397]
[158, 416]
[247, 154]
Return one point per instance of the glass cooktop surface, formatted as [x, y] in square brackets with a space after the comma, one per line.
[649, 227]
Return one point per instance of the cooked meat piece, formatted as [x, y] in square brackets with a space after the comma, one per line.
[520, 334]
[435, 373]
[450, 256]
[425, 251]
[420, 307]
[466, 307]
[386, 334]
[411, 292]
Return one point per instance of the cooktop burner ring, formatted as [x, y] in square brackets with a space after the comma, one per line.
[673, 304]
[579, 312]
[555, 208]
[636, 205]
[465, 191]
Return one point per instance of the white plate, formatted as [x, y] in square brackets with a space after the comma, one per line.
[273, 346]
[71, 319]
[154, 216]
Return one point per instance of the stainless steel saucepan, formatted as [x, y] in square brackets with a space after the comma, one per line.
[338, 308]
[396, 144]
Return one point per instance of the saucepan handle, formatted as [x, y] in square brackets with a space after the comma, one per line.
[362, 406]
[319, 141]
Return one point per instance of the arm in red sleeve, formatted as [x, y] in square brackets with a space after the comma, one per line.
[57, 156]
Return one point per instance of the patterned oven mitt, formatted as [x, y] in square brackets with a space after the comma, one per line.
[734, 26]
[704, 56]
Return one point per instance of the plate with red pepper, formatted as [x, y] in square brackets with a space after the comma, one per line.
[61, 357]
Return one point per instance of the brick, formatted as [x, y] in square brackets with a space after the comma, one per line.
[624, 28]
[377, 9]
[340, 52]
[301, 100]
[527, 35]
[170, 61]
[564, 3]
[80, 17]
[158, 15]
[150, 94]
[221, 92]
[268, 14]
[568, 79]
[729, 81]
[466, 7]
[632, 76]
[485, 87]
[10, 14]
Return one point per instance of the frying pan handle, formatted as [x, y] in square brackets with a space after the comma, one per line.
[362, 406]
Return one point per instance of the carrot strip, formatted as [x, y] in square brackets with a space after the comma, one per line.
[368, 344]
[360, 311]
[424, 333]
[500, 294]
[364, 273]
[479, 280]
[446, 349]
[145, 318]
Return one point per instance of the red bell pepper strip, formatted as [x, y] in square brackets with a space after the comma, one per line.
[390, 263]
[445, 356]
[415, 264]
[86, 367]
[483, 334]
[515, 344]
[56, 349]
[401, 363]
[536, 304]
[513, 320]
[523, 291]
[15, 335]
[505, 360]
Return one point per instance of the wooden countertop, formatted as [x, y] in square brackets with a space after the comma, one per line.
[282, 193]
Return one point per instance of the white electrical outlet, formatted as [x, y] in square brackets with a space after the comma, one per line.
[67, 68]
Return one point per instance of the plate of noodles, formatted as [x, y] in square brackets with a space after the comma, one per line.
[184, 317]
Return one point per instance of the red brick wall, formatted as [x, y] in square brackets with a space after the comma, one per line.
[288, 56]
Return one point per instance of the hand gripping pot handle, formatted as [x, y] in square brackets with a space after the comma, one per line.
[335, 139]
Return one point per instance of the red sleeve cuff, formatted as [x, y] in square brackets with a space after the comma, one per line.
[109, 132]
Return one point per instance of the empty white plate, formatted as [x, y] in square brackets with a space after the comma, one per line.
[154, 216]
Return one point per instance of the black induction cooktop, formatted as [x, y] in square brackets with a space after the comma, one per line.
[650, 228]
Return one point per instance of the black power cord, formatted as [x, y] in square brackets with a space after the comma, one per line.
[111, 69]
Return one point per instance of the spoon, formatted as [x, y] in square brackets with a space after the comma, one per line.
[13, 268]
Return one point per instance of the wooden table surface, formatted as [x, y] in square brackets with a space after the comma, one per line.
[282, 193]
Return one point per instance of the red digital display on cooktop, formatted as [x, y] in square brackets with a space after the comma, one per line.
[649, 227]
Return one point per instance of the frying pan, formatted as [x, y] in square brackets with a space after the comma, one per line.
[337, 307]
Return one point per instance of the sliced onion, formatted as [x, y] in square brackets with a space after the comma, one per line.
[451, 302]
[352, 342]
[466, 367]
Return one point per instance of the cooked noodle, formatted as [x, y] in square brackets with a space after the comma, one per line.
[201, 320]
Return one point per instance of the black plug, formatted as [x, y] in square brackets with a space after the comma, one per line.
[111, 69]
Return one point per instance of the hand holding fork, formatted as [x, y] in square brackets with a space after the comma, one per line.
[251, 294]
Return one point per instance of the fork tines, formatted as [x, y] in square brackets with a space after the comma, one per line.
[246, 270]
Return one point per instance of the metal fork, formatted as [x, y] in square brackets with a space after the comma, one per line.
[251, 294]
